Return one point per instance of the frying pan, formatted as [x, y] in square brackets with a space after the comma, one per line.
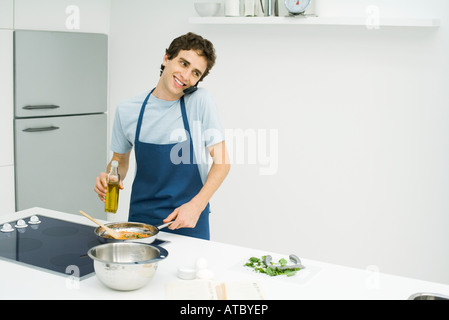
[143, 228]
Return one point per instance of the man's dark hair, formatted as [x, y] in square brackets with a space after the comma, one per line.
[192, 41]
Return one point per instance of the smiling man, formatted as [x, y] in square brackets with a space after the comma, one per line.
[175, 115]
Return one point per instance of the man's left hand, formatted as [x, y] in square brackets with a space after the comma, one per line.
[186, 216]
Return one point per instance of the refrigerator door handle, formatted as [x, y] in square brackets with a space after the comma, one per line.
[51, 128]
[40, 107]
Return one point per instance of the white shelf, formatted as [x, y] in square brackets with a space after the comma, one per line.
[343, 21]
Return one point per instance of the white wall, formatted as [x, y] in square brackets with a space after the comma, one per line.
[361, 115]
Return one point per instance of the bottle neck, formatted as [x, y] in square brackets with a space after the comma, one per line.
[114, 170]
[113, 175]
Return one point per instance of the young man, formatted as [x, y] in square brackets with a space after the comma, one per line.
[172, 133]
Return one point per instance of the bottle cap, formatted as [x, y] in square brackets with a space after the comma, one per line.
[114, 163]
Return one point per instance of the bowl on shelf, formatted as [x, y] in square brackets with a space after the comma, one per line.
[207, 9]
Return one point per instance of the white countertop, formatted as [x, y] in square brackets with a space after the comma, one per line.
[318, 281]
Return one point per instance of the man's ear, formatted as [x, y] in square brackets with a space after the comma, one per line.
[164, 62]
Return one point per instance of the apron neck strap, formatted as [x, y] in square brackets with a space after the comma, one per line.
[142, 111]
[184, 116]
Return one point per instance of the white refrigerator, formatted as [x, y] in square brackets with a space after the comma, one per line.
[60, 84]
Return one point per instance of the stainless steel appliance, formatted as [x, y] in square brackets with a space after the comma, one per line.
[60, 81]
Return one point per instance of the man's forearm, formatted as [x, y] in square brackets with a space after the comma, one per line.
[217, 173]
[215, 178]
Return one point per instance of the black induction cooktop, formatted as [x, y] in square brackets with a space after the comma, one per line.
[50, 244]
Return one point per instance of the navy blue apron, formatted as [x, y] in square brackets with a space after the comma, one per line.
[160, 186]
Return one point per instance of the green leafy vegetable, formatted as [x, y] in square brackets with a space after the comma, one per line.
[258, 265]
[283, 262]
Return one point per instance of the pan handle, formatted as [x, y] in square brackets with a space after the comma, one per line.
[162, 226]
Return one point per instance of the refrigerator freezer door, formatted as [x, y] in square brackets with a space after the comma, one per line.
[59, 73]
[57, 161]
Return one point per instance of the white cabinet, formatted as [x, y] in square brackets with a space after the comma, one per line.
[6, 14]
[62, 15]
[7, 196]
[7, 199]
[6, 98]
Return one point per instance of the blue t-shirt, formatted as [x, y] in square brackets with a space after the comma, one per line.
[162, 124]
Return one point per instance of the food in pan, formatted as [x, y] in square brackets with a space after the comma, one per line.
[126, 235]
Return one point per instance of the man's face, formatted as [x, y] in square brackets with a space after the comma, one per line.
[183, 71]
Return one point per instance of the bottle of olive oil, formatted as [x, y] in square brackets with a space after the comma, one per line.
[113, 189]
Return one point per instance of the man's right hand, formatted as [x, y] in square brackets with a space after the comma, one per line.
[101, 187]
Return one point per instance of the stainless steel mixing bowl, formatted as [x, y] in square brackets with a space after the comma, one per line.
[126, 266]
